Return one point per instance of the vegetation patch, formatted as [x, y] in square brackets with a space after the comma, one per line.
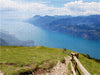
[19, 60]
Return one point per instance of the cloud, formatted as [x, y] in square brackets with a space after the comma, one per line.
[83, 8]
[20, 6]
[72, 8]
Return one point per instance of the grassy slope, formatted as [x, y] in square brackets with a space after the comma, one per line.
[26, 57]
[92, 66]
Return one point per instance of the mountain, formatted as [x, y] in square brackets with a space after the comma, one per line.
[7, 39]
[3, 42]
[43, 20]
[87, 27]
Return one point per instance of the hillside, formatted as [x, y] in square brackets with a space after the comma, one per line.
[7, 39]
[87, 27]
[3, 42]
[17, 60]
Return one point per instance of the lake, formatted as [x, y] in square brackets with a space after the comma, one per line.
[25, 31]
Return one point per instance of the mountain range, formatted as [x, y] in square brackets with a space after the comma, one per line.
[7, 39]
[87, 27]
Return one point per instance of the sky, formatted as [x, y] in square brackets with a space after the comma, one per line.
[29, 8]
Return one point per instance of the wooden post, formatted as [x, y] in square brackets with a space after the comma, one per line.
[77, 62]
[77, 55]
[72, 57]
[85, 72]
[75, 67]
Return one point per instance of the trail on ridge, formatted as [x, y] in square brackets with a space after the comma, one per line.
[59, 69]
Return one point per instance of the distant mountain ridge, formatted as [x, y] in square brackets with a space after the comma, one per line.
[7, 39]
[87, 27]
[3, 42]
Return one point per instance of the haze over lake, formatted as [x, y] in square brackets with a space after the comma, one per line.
[13, 13]
[25, 31]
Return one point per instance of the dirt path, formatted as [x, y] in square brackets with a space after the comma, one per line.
[60, 68]
[1, 73]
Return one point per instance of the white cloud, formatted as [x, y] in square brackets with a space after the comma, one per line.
[71, 8]
[5, 4]
[83, 8]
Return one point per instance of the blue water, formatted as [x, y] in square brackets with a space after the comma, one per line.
[25, 31]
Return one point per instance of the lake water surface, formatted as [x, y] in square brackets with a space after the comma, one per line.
[25, 31]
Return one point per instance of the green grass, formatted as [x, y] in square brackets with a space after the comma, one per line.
[69, 69]
[92, 66]
[25, 59]
[22, 56]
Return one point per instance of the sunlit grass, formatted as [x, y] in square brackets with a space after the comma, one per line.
[28, 55]
[30, 58]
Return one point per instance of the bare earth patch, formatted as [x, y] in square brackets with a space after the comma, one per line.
[1, 73]
[59, 69]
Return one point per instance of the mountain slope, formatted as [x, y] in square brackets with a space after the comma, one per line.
[18, 60]
[87, 27]
[3, 42]
[7, 39]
